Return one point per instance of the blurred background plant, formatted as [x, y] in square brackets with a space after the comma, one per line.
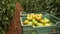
[49, 6]
[7, 7]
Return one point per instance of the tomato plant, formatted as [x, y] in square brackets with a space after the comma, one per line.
[7, 7]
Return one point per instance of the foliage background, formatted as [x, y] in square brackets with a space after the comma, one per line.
[49, 6]
[7, 7]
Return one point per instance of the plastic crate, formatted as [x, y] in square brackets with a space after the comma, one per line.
[41, 30]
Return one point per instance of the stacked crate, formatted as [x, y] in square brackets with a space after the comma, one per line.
[41, 30]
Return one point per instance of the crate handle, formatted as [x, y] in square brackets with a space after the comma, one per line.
[57, 23]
